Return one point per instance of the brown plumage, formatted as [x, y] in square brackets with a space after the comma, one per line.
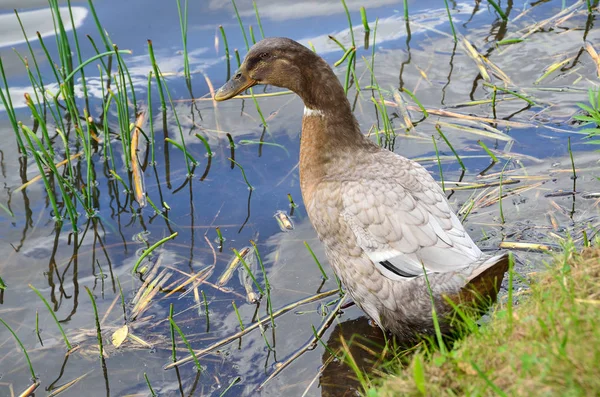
[382, 218]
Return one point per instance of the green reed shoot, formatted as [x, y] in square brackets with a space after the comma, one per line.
[316, 261]
[237, 314]
[343, 58]
[416, 100]
[172, 322]
[235, 381]
[8, 106]
[150, 118]
[574, 177]
[450, 20]
[69, 347]
[494, 93]
[509, 308]
[2, 284]
[227, 56]
[488, 151]
[406, 10]
[183, 24]
[172, 329]
[500, 192]
[33, 376]
[516, 94]
[239, 19]
[260, 113]
[267, 284]
[262, 33]
[149, 250]
[243, 173]
[206, 145]
[161, 93]
[180, 147]
[336, 41]
[101, 31]
[159, 81]
[152, 393]
[291, 200]
[220, 237]
[320, 340]
[434, 317]
[349, 70]
[439, 130]
[98, 329]
[252, 34]
[237, 57]
[365, 21]
[499, 10]
[439, 162]
[206, 310]
[262, 291]
[349, 22]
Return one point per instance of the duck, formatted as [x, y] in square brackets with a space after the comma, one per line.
[388, 230]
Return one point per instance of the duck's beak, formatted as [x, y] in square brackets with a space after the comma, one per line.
[238, 83]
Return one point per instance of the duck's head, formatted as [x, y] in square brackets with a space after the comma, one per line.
[277, 61]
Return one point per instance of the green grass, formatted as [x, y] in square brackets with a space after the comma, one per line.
[551, 346]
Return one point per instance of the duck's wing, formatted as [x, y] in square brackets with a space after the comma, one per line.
[402, 221]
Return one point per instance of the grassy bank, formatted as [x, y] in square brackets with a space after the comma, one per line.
[551, 346]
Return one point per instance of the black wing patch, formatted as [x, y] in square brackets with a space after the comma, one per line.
[395, 270]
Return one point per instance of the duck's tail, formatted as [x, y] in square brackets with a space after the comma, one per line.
[483, 284]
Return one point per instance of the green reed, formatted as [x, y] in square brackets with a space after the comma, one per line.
[500, 186]
[60, 328]
[33, 375]
[10, 110]
[416, 100]
[174, 324]
[206, 145]
[152, 393]
[267, 284]
[509, 303]
[180, 147]
[2, 284]
[406, 10]
[243, 261]
[325, 277]
[499, 10]
[206, 312]
[172, 332]
[220, 237]
[243, 172]
[488, 151]
[239, 19]
[237, 314]
[260, 27]
[439, 162]
[235, 381]
[160, 81]
[439, 130]
[450, 20]
[227, 56]
[349, 22]
[98, 329]
[251, 31]
[149, 250]
[183, 24]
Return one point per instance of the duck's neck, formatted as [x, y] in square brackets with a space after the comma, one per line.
[330, 132]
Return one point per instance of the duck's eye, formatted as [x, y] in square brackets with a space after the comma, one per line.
[264, 55]
[238, 76]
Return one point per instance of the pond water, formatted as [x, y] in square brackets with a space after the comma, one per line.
[540, 202]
